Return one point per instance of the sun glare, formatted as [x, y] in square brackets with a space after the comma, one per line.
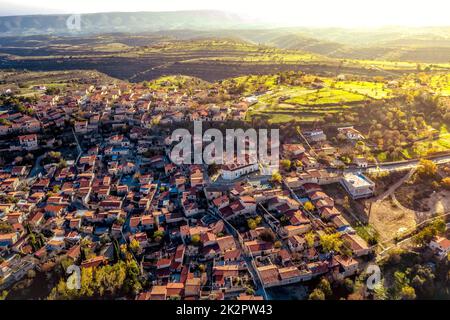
[346, 13]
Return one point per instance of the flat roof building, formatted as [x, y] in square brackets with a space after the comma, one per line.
[358, 185]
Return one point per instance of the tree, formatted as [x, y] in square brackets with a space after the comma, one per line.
[309, 206]
[423, 281]
[120, 221]
[331, 242]
[310, 238]
[349, 285]
[132, 283]
[286, 164]
[252, 224]
[380, 292]
[276, 178]
[298, 164]
[4, 295]
[325, 287]
[195, 239]
[407, 293]
[135, 246]
[400, 281]
[445, 183]
[317, 294]
[267, 236]
[429, 232]
[52, 91]
[110, 279]
[158, 234]
[424, 237]
[107, 280]
[427, 169]
[250, 291]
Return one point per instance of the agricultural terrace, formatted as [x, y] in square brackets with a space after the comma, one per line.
[307, 103]
[427, 147]
[395, 65]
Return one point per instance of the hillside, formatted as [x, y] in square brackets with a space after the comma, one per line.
[42, 32]
[428, 45]
[134, 22]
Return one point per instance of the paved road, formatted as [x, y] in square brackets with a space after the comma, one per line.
[252, 178]
[37, 167]
[409, 164]
[80, 151]
[394, 166]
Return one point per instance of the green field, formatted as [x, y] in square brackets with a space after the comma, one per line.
[441, 84]
[374, 90]
[304, 103]
[325, 96]
[428, 147]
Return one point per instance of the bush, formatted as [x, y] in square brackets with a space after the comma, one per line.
[427, 169]
[317, 294]
[429, 232]
[445, 183]
[276, 178]
[195, 239]
[408, 293]
[331, 242]
[286, 164]
[325, 287]
[251, 224]
[309, 206]
[349, 285]
[267, 235]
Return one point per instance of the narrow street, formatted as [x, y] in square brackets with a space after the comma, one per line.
[248, 257]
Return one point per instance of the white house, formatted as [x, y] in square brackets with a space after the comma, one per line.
[351, 133]
[358, 185]
[234, 171]
[29, 142]
[315, 135]
[360, 162]
[441, 246]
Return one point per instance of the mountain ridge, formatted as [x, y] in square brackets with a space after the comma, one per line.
[134, 22]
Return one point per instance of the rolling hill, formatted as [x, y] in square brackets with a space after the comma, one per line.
[132, 22]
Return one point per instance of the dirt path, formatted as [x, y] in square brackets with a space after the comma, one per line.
[395, 186]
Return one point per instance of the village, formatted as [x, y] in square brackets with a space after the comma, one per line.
[87, 180]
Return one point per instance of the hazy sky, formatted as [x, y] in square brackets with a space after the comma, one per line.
[345, 13]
